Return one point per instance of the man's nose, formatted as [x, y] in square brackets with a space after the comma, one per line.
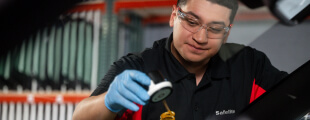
[201, 36]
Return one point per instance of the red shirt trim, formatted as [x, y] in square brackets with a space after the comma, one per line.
[131, 115]
[256, 91]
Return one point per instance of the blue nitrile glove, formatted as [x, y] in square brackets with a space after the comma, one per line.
[126, 89]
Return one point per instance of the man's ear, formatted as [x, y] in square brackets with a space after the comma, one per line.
[173, 15]
[227, 34]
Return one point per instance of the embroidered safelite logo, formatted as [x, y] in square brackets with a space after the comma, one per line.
[224, 112]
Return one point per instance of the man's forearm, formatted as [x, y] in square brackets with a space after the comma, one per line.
[93, 108]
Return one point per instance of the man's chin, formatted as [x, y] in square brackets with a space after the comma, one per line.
[197, 59]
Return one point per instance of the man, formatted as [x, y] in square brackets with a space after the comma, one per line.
[210, 79]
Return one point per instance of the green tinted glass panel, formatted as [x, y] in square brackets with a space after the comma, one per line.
[22, 60]
[29, 56]
[65, 49]
[73, 45]
[7, 67]
[88, 53]
[58, 49]
[51, 53]
[42, 50]
[81, 50]
[36, 54]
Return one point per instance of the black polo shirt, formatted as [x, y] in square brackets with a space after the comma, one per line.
[234, 77]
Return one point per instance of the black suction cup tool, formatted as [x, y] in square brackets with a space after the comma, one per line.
[160, 88]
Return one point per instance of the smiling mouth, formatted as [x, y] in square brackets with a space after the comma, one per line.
[198, 48]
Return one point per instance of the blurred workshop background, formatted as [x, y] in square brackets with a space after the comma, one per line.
[54, 52]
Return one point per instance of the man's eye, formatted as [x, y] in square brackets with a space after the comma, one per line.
[192, 22]
[215, 29]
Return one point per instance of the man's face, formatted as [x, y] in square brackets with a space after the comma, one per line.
[197, 47]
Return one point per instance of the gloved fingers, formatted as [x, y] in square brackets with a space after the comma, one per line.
[139, 77]
[137, 90]
[130, 96]
[127, 104]
[126, 89]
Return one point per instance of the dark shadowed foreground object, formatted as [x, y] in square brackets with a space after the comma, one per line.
[289, 100]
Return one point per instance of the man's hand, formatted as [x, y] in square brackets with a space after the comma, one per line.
[126, 89]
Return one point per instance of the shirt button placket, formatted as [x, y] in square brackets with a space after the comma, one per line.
[196, 112]
[196, 107]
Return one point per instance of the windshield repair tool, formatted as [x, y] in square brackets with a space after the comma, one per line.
[169, 115]
[159, 88]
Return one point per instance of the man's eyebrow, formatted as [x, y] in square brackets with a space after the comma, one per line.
[197, 17]
[193, 14]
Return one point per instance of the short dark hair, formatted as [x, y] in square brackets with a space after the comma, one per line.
[231, 4]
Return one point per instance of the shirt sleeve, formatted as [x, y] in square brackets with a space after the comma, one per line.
[266, 75]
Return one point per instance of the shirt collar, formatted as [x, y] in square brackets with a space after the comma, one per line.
[175, 71]
[168, 42]
[217, 67]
